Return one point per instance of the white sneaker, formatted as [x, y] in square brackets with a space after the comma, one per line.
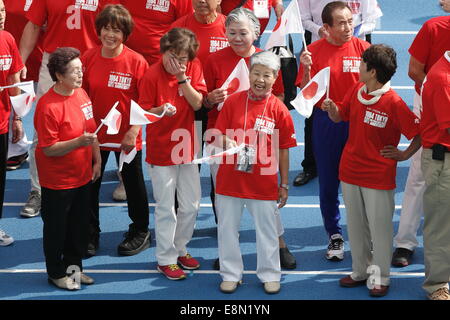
[272, 287]
[5, 240]
[119, 193]
[335, 249]
[33, 205]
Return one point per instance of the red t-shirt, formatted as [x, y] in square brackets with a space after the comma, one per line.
[276, 130]
[218, 68]
[228, 5]
[211, 36]
[61, 118]
[107, 80]
[431, 42]
[343, 61]
[15, 23]
[159, 87]
[435, 115]
[10, 63]
[371, 128]
[69, 23]
[152, 19]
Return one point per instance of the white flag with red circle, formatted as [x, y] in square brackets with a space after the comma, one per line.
[22, 103]
[289, 22]
[113, 120]
[314, 90]
[237, 81]
[139, 116]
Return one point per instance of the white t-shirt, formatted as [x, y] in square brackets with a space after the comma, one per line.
[365, 11]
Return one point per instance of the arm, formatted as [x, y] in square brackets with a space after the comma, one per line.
[284, 172]
[306, 61]
[129, 139]
[279, 8]
[392, 152]
[332, 109]
[96, 161]
[62, 148]
[29, 39]
[416, 71]
[306, 16]
[17, 129]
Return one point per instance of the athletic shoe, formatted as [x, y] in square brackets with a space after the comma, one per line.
[229, 286]
[401, 257]
[189, 263]
[348, 282]
[440, 294]
[5, 240]
[172, 272]
[272, 287]
[65, 283]
[15, 162]
[287, 260]
[134, 242]
[33, 205]
[335, 251]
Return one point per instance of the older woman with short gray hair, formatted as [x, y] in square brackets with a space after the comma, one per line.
[262, 125]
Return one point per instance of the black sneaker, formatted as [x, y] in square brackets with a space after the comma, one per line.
[287, 260]
[15, 162]
[92, 246]
[335, 251]
[401, 257]
[134, 243]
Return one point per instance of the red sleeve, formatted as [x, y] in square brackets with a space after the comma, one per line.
[278, 87]
[420, 48]
[208, 73]
[17, 63]
[223, 119]
[407, 121]
[197, 79]
[37, 13]
[141, 70]
[285, 125]
[47, 126]
[147, 91]
[344, 106]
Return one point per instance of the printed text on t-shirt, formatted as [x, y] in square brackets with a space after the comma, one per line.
[158, 5]
[119, 80]
[351, 64]
[376, 118]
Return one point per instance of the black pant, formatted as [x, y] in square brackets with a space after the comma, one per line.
[133, 180]
[66, 228]
[3, 158]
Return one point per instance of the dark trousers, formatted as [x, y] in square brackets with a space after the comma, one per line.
[66, 228]
[3, 158]
[133, 180]
[329, 139]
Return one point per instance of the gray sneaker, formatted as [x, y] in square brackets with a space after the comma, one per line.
[33, 206]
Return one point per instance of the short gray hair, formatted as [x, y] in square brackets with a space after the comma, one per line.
[267, 59]
[241, 15]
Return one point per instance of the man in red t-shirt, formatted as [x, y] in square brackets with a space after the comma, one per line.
[428, 46]
[10, 67]
[377, 117]
[152, 20]
[342, 52]
[435, 131]
[68, 23]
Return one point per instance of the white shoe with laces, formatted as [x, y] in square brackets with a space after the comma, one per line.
[5, 240]
[335, 251]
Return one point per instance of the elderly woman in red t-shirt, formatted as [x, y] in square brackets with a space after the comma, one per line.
[175, 84]
[113, 73]
[242, 29]
[68, 160]
[261, 123]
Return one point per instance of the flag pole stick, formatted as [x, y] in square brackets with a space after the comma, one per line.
[101, 124]
[304, 42]
[18, 84]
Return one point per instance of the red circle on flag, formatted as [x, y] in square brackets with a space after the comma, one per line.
[233, 86]
[118, 120]
[310, 91]
[277, 25]
[27, 100]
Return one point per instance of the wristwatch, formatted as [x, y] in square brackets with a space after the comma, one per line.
[284, 186]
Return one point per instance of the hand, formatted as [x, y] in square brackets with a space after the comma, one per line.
[217, 96]
[17, 131]
[129, 140]
[391, 152]
[279, 9]
[306, 59]
[176, 68]
[170, 109]
[328, 105]
[96, 171]
[323, 33]
[282, 197]
[230, 143]
[87, 139]
[23, 73]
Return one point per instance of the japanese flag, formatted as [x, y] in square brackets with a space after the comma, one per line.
[312, 93]
[113, 120]
[22, 103]
[237, 81]
[139, 116]
[126, 157]
[289, 22]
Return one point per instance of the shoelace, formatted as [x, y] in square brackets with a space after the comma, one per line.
[443, 292]
[187, 256]
[335, 244]
[173, 267]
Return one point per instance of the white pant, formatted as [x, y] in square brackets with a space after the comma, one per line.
[229, 213]
[369, 224]
[174, 230]
[412, 206]
[214, 168]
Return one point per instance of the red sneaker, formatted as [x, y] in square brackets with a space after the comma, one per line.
[189, 263]
[172, 272]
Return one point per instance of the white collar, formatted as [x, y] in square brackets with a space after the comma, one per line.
[377, 94]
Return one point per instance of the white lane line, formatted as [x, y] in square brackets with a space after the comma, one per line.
[394, 32]
[124, 271]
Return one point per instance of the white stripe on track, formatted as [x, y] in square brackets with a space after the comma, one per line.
[94, 271]
[386, 32]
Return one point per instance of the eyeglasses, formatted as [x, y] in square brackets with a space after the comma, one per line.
[179, 59]
[75, 72]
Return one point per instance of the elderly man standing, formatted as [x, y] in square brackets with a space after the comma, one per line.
[435, 131]
[342, 52]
